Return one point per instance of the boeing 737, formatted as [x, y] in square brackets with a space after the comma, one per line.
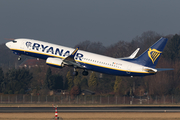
[60, 56]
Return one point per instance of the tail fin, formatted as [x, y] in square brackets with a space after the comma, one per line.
[151, 56]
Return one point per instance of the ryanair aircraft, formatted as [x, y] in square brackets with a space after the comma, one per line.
[60, 56]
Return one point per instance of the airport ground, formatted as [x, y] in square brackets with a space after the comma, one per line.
[88, 115]
[79, 105]
[91, 116]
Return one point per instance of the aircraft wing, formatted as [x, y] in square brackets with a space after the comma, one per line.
[70, 59]
[133, 55]
[58, 62]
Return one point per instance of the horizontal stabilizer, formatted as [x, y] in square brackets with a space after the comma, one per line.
[164, 69]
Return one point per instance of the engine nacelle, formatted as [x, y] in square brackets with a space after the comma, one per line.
[55, 62]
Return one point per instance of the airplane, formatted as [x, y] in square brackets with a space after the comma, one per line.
[60, 56]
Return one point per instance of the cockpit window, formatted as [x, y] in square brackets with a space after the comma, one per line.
[14, 41]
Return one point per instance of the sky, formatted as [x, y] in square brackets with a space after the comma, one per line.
[69, 22]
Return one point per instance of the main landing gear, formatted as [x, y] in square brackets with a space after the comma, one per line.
[75, 73]
[84, 73]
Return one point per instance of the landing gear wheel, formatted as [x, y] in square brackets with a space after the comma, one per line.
[75, 73]
[85, 73]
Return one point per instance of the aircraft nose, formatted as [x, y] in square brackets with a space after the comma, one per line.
[8, 44]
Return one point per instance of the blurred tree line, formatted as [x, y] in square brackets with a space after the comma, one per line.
[40, 80]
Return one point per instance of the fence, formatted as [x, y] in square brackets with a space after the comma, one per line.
[94, 99]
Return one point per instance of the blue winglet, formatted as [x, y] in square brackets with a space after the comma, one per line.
[74, 52]
[71, 57]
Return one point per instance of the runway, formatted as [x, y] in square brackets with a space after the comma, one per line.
[88, 109]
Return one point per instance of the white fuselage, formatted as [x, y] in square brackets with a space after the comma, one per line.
[90, 61]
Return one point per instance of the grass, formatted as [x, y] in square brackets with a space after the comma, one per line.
[91, 116]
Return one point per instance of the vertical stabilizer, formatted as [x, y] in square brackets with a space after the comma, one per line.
[151, 56]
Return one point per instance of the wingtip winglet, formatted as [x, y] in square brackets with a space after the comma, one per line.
[75, 51]
[133, 55]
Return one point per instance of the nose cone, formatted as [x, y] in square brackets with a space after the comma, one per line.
[8, 44]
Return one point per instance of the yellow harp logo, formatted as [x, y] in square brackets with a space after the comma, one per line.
[153, 54]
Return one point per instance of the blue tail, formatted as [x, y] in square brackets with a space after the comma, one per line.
[151, 56]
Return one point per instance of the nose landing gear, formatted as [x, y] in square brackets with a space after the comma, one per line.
[19, 58]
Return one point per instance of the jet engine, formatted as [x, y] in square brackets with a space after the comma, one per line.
[55, 62]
